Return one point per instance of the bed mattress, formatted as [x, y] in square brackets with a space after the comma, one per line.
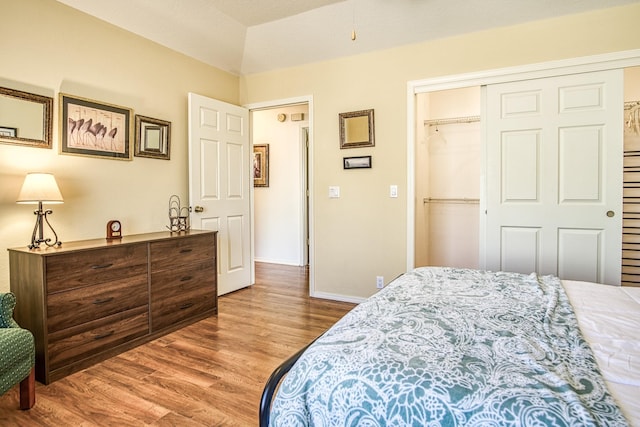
[444, 346]
[609, 318]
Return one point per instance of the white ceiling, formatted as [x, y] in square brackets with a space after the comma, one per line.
[250, 36]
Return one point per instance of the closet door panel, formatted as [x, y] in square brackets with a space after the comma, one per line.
[554, 165]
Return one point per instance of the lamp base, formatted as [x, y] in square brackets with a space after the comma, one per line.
[38, 230]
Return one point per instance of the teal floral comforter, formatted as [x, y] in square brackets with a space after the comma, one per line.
[451, 347]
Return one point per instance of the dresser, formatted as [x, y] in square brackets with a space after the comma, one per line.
[89, 300]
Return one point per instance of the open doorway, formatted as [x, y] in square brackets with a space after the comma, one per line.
[447, 178]
[280, 202]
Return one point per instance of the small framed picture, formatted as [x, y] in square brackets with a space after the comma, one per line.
[153, 138]
[261, 165]
[361, 162]
[9, 132]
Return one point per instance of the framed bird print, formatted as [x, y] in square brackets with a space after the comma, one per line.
[90, 128]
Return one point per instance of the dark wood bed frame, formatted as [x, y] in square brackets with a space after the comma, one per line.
[272, 385]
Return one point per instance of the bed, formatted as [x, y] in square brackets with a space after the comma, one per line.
[447, 346]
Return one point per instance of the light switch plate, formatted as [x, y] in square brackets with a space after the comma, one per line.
[393, 191]
[334, 192]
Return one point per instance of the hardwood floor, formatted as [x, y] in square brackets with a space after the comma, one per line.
[210, 373]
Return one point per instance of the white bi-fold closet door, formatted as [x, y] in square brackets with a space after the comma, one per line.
[554, 176]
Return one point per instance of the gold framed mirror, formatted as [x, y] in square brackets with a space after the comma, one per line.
[153, 138]
[25, 118]
[357, 129]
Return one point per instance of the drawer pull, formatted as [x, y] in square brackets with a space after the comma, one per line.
[99, 266]
[105, 335]
[185, 278]
[184, 251]
[103, 300]
[185, 306]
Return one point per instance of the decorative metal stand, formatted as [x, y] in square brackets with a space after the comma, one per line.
[178, 216]
[38, 229]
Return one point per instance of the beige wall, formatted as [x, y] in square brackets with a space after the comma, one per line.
[363, 234]
[49, 48]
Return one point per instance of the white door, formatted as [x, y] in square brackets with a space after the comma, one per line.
[554, 176]
[219, 184]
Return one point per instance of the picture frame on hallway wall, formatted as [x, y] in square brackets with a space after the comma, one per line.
[261, 165]
[153, 138]
[95, 129]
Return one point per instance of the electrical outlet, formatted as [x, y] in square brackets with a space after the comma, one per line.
[379, 282]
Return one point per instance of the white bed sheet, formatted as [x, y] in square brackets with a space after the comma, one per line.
[609, 318]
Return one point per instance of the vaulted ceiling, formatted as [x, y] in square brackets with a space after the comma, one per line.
[251, 36]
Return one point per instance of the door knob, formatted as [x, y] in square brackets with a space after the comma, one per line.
[610, 214]
[199, 209]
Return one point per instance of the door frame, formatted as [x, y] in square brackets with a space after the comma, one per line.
[615, 60]
[308, 100]
[304, 135]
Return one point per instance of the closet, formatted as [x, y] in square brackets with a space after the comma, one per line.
[441, 235]
[448, 159]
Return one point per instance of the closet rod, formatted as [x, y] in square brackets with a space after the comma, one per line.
[450, 200]
[467, 119]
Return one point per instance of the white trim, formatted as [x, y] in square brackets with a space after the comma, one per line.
[303, 138]
[280, 103]
[277, 261]
[338, 297]
[307, 99]
[411, 177]
[608, 61]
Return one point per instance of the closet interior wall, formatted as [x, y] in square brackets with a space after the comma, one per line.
[448, 178]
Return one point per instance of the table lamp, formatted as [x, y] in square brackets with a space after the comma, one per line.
[40, 188]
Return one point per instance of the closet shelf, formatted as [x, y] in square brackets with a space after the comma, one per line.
[450, 200]
[467, 119]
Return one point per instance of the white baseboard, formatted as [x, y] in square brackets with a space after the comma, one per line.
[338, 297]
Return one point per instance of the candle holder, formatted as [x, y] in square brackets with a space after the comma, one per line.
[178, 216]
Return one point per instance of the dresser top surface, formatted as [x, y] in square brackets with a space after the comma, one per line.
[105, 243]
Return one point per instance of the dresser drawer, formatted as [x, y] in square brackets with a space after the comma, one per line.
[83, 305]
[169, 311]
[175, 253]
[171, 283]
[90, 267]
[80, 342]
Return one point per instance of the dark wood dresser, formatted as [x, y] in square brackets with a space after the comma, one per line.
[89, 300]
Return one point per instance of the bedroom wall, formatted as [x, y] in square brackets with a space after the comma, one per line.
[278, 208]
[363, 234]
[49, 48]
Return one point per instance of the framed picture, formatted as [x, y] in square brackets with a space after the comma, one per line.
[261, 165]
[357, 129]
[153, 138]
[91, 128]
[7, 131]
[361, 162]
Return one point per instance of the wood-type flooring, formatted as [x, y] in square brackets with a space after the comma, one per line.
[210, 373]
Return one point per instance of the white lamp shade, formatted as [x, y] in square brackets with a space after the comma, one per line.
[40, 187]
